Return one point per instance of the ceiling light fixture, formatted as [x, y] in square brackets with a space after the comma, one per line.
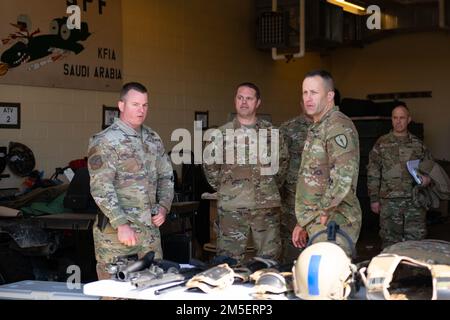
[348, 6]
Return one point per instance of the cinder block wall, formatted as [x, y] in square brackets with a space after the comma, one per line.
[403, 63]
[190, 54]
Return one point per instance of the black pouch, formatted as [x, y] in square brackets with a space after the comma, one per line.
[102, 221]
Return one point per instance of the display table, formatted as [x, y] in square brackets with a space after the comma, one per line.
[43, 290]
[124, 290]
[116, 289]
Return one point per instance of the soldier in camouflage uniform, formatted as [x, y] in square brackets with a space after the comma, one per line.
[326, 187]
[248, 202]
[294, 132]
[390, 184]
[131, 182]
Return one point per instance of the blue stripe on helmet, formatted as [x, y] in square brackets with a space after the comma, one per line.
[313, 275]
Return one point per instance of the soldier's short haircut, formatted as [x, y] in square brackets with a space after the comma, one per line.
[132, 86]
[251, 86]
[325, 75]
[401, 104]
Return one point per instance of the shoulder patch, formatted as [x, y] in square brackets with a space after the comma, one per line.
[341, 141]
[96, 162]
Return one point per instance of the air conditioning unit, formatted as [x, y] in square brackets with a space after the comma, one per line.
[324, 24]
[273, 30]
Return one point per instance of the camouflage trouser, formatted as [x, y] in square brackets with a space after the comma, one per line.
[351, 229]
[234, 228]
[400, 220]
[288, 222]
[107, 246]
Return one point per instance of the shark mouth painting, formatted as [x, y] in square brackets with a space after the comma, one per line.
[39, 50]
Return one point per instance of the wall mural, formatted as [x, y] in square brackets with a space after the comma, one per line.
[43, 45]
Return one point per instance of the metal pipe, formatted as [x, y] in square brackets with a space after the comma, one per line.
[442, 14]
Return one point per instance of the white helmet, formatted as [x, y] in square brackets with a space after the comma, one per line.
[323, 271]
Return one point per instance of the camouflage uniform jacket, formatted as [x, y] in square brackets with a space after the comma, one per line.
[329, 170]
[387, 174]
[294, 132]
[242, 186]
[130, 173]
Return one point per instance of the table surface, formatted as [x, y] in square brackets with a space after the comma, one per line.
[43, 290]
[124, 290]
[116, 289]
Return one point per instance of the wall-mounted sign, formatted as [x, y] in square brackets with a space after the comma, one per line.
[109, 114]
[9, 115]
[39, 47]
[202, 116]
